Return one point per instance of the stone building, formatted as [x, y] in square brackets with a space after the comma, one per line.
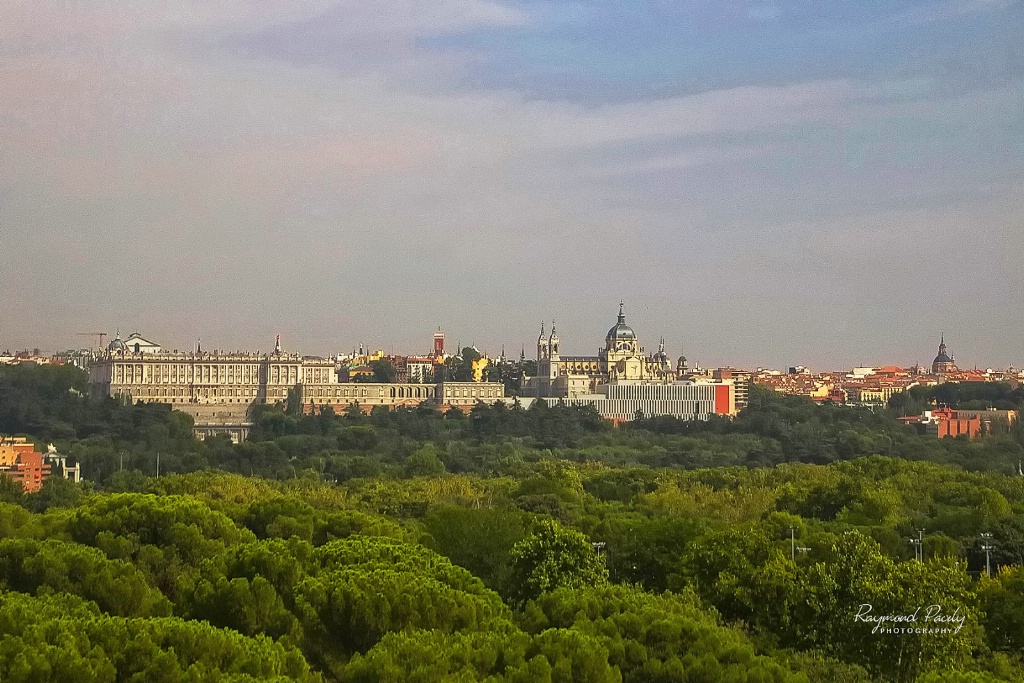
[219, 389]
[621, 382]
[620, 359]
[369, 395]
[943, 363]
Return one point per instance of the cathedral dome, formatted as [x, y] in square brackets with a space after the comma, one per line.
[116, 344]
[943, 357]
[621, 330]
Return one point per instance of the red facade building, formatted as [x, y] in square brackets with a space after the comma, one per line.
[20, 461]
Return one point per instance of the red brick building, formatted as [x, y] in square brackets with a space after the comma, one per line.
[20, 461]
[944, 422]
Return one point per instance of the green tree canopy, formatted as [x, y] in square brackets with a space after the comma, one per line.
[553, 556]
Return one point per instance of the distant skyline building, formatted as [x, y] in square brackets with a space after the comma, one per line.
[20, 461]
[218, 389]
[620, 359]
[221, 389]
[621, 382]
[943, 363]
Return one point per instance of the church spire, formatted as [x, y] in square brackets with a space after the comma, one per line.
[622, 316]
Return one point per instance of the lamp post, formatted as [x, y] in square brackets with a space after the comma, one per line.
[986, 545]
[918, 544]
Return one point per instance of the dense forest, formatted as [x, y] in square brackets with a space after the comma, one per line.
[511, 545]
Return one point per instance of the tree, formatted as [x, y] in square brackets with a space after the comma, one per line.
[460, 368]
[56, 492]
[427, 656]
[31, 566]
[856, 574]
[11, 491]
[383, 371]
[424, 462]
[1002, 599]
[63, 638]
[552, 557]
[668, 637]
[481, 540]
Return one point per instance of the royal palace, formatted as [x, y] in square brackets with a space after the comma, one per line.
[220, 389]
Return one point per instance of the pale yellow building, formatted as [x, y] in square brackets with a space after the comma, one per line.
[621, 359]
[369, 395]
[217, 388]
[877, 395]
[622, 383]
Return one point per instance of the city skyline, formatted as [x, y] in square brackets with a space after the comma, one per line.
[454, 345]
[765, 183]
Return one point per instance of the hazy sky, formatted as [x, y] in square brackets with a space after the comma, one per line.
[815, 182]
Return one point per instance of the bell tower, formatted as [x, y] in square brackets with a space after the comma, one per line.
[553, 358]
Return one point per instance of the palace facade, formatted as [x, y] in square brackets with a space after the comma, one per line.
[369, 395]
[219, 390]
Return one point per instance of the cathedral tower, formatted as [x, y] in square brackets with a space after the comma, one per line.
[943, 362]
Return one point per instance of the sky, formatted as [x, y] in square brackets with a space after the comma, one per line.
[764, 184]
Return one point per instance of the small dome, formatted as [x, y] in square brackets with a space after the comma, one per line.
[116, 344]
[942, 358]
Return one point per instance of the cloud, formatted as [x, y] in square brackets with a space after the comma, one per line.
[955, 9]
[160, 177]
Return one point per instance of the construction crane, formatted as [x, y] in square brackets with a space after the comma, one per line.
[99, 335]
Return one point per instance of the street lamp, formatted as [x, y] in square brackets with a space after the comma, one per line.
[918, 544]
[986, 545]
